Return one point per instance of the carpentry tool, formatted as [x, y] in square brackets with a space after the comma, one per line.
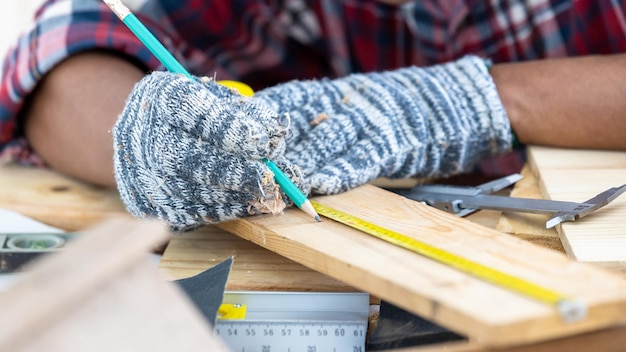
[464, 200]
[17, 249]
[568, 308]
[293, 321]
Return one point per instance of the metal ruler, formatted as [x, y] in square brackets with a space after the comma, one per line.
[568, 308]
[293, 321]
[464, 200]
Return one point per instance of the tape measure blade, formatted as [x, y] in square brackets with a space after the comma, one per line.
[469, 267]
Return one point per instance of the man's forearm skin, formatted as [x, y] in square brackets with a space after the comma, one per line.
[574, 102]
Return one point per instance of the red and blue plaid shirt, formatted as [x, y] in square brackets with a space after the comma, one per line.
[263, 42]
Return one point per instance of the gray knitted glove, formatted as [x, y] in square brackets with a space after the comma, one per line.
[428, 122]
[191, 152]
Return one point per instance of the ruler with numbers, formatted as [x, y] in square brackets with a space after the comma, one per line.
[294, 321]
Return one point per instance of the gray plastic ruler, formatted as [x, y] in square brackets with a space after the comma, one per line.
[296, 321]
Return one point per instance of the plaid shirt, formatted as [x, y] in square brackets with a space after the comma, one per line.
[263, 42]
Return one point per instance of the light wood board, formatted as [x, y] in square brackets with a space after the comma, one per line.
[528, 226]
[578, 175]
[489, 314]
[254, 268]
[59, 201]
[54, 199]
[102, 294]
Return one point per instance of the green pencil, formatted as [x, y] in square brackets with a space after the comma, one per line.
[172, 65]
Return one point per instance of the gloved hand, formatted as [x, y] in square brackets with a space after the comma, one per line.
[428, 122]
[191, 152]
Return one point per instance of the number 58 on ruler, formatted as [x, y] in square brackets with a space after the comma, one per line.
[291, 322]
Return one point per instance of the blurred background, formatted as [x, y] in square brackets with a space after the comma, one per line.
[14, 17]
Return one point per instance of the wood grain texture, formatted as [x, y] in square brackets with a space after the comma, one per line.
[492, 315]
[574, 175]
[54, 199]
[528, 226]
[254, 268]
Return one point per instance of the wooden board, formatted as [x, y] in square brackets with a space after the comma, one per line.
[489, 314]
[59, 201]
[576, 175]
[56, 200]
[254, 267]
[102, 294]
[528, 226]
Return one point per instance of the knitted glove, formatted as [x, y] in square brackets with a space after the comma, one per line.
[191, 152]
[427, 122]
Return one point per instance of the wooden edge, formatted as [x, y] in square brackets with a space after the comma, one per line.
[71, 276]
[284, 238]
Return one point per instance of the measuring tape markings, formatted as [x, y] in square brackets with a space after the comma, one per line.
[293, 321]
[569, 309]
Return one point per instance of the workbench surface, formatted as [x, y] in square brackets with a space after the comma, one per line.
[71, 205]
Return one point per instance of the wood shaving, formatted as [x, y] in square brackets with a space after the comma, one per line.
[272, 201]
[273, 205]
[319, 118]
[267, 178]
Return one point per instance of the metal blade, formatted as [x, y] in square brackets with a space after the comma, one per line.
[463, 201]
[597, 202]
[419, 191]
[499, 184]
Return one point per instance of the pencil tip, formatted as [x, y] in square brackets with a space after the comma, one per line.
[308, 208]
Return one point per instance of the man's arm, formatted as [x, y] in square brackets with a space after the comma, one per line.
[70, 116]
[575, 102]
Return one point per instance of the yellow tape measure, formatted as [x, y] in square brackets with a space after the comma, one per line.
[241, 87]
[569, 309]
[231, 311]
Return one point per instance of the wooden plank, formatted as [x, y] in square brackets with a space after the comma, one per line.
[59, 201]
[573, 175]
[547, 158]
[528, 226]
[102, 294]
[492, 315]
[254, 267]
[54, 199]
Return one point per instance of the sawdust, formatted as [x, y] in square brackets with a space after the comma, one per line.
[267, 178]
[151, 200]
[270, 201]
[372, 319]
[319, 118]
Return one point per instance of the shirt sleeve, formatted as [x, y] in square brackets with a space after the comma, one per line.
[60, 28]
